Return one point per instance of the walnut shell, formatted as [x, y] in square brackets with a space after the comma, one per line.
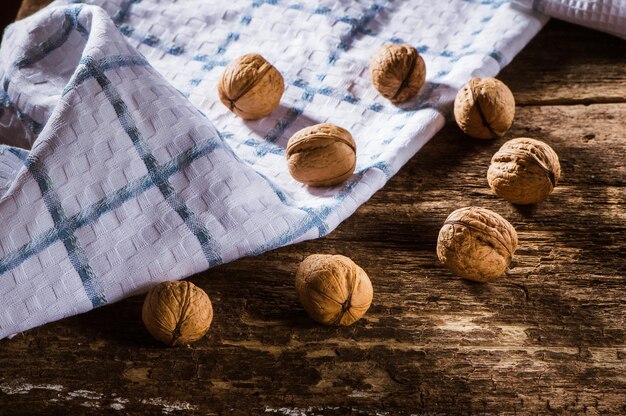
[398, 72]
[321, 155]
[484, 108]
[251, 87]
[177, 313]
[524, 171]
[333, 289]
[476, 243]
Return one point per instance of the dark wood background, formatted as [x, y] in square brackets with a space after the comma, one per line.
[547, 338]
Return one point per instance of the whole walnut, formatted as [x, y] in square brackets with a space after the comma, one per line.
[177, 313]
[484, 108]
[524, 171]
[251, 87]
[333, 289]
[476, 243]
[321, 155]
[398, 72]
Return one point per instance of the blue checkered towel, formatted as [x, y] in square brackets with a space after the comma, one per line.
[120, 168]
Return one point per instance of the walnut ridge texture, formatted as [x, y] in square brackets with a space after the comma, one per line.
[321, 155]
[251, 87]
[333, 289]
[476, 243]
[398, 72]
[524, 171]
[484, 108]
[177, 313]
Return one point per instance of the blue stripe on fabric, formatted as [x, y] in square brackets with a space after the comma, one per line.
[211, 62]
[55, 41]
[310, 92]
[153, 41]
[179, 50]
[262, 147]
[232, 37]
[34, 55]
[122, 14]
[282, 124]
[321, 225]
[32, 125]
[105, 64]
[259, 3]
[112, 201]
[497, 56]
[82, 30]
[77, 256]
[268, 146]
[128, 124]
[79, 27]
[17, 151]
[357, 27]
[319, 216]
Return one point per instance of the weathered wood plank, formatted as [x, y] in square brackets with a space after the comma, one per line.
[568, 64]
[547, 337]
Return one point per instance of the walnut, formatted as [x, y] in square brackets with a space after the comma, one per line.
[484, 108]
[524, 171]
[251, 87]
[398, 72]
[321, 155]
[177, 313]
[333, 289]
[476, 243]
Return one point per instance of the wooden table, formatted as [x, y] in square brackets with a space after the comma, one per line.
[549, 337]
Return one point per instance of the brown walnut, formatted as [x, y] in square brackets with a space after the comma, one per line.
[476, 243]
[524, 171]
[333, 289]
[484, 108]
[251, 87]
[398, 72]
[321, 155]
[177, 313]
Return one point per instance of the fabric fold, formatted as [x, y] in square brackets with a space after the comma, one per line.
[604, 15]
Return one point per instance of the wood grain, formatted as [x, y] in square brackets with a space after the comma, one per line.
[546, 338]
[567, 64]
[29, 7]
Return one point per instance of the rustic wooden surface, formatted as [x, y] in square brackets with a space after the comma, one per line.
[549, 337]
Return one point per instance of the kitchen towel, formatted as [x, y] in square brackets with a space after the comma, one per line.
[606, 15]
[120, 168]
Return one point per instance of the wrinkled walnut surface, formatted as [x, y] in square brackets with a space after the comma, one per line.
[484, 108]
[321, 155]
[524, 171]
[333, 289]
[177, 313]
[251, 87]
[476, 243]
[398, 72]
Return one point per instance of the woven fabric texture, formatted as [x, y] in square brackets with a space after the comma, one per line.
[120, 168]
[605, 15]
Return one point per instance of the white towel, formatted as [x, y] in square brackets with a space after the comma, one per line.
[128, 182]
[606, 15]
